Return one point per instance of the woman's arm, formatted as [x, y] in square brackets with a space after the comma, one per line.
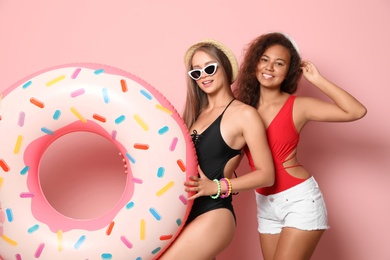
[345, 107]
[252, 130]
[254, 133]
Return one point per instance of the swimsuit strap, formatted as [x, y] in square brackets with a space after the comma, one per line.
[227, 106]
[292, 166]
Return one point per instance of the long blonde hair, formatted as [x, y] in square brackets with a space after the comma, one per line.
[196, 100]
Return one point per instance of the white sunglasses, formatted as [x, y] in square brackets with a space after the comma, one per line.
[209, 70]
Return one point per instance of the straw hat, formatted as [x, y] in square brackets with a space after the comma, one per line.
[230, 55]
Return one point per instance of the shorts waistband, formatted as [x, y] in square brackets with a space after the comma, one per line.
[310, 182]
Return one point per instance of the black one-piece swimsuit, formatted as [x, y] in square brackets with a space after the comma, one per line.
[213, 154]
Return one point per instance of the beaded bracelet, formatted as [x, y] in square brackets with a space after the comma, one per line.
[219, 190]
[228, 188]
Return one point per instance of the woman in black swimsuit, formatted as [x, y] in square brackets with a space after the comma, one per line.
[221, 127]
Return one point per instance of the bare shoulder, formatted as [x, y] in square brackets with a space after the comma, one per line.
[244, 112]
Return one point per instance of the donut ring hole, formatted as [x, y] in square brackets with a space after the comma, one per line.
[82, 175]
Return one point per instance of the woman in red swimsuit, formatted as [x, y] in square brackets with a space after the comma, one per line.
[292, 214]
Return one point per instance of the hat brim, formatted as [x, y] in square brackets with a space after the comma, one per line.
[229, 54]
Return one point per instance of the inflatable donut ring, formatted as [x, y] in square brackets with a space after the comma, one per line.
[153, 144]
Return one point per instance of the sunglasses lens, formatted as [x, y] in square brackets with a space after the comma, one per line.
[210, 69]
[195, 74]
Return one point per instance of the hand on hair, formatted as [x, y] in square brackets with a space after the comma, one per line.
[310, 71]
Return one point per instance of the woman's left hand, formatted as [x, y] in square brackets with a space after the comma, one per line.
[310, 71]
[202, 185]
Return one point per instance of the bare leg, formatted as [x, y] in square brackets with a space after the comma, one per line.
[295, 244]
[268, 244]
[204, 238]
[291, 244]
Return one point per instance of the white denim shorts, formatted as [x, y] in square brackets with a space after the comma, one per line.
[302, 207]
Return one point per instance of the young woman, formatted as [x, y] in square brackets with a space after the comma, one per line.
[292, 214]
[221, 127]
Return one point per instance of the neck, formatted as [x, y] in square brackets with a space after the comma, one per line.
[270, 95]
[219, 100]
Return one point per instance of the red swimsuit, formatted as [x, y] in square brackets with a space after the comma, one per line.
[283, 139]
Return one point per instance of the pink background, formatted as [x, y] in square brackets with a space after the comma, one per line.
[348, 41]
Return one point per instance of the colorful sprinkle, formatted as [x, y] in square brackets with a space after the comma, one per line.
[39, 250]
[9, 214]
[79, 242]
[99, 71]
[113, 134]
[1, 181]
[25, 195]
[9, 240]
[21, 119]
[27, 84]
[137, 180]
[33, 229]
[173, 144]
[18, 144]
[4, 165]
[106, 98]
[99, 118]
[77, 92]
[141, 146]
[141, 122]
[78, 115]
[126, 242]
[106, 256]
[25, 170]
[37, 102]
[142, 229]
[160, 172]
[156, 250]
[146, 94]
[165, 188]
[59, 240]
[56, 80]
[163, 130]
[132, 160]
[18, 257]
[164, 109]
[155, 214]
[47, 131]
[165, 237]
[130, 205]
[124, 85]
[75, 73]
[179, 222]
[181, 164]
[120, 119]
[183, 199]
[56, 114]
[109, 228]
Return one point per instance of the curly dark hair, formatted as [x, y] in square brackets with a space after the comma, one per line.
[248, 87]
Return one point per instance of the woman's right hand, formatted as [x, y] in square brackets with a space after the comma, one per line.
[202, 185]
